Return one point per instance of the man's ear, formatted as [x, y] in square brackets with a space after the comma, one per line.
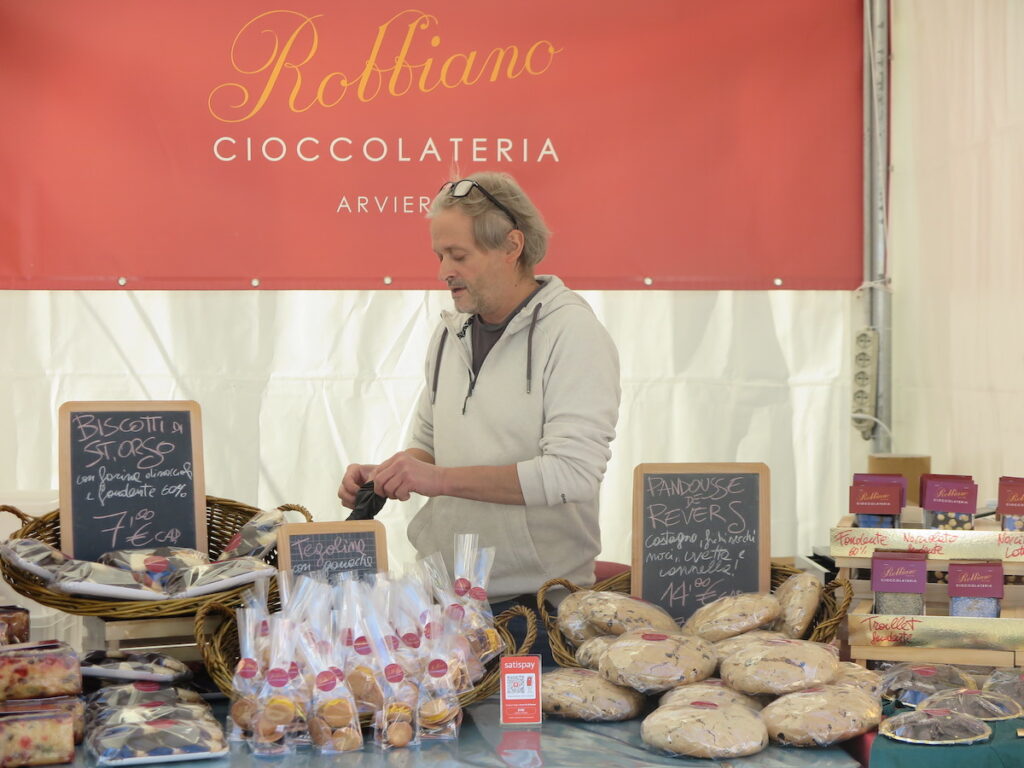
[514, 245]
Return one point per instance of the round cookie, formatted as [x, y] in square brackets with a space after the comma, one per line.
[705, 730]
[780, 666]
[729, 646]
[582, 694]
[799, 597]
[612, 613]
[590, 652]
[572, 623]
[712, 689]
[732, 615]
[652, 662]
[821, 716]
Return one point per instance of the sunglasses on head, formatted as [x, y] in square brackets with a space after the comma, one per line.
[463, 187]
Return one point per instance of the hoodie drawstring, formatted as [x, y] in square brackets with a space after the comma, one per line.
[437, 366]
[529, 349]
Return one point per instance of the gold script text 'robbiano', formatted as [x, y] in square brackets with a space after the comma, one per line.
[276, 61]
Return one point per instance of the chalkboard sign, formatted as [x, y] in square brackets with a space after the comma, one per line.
[700, 531]
[356, 545]
[131, 476]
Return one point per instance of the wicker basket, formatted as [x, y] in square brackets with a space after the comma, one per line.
[221, 653]
[223, 520]
[835, 600]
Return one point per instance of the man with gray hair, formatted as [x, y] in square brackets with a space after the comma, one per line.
[512, 432]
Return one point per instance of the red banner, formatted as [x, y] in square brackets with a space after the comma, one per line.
[197, 144]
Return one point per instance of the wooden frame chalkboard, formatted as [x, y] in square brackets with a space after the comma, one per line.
[700, 531]
[131, 476]
[353, 545]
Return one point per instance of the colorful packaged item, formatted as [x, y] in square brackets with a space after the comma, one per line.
[16, 624]
[36, 738]
[84, 577]
[280, 704]
[935, 726]
[949, 503]
[36, 670]
[118, 665]
[439, 711]
[146, 714]
[139, 694]
[899, 581]
[910, 684]
[1011, 503]
[985, 705]
[876, 504]
[256, 538]
[216, 577]
[975, 589]
[472, 576]
[73, 705]
[33, 556]
[157, 742]
[1008, 681]
[158, 563]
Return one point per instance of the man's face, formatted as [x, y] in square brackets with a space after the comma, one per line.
[476, 277]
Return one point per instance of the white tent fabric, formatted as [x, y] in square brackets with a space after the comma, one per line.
[295, 385]
[957, 235]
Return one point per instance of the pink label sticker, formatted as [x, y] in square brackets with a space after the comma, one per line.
[411, 640]
[461, 586]
[347, 637]
[437, 668]
[428, 630]
[264, 628]
[456, 611]
[146, 686]
[923, 671]
[362, 646]
[277, 677]
[704, 704]
[478, 593]
[326, 680]
[156, 564]
[393, 673]
[247, 668]
[165, 723]
[235, 541]
[392, 642]
[938, 712]
[293, 671]
[150, 704]
[339, 675]
[654, 636]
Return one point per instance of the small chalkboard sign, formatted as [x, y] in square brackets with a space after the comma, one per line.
[356, 545]
[131, 476]
[700, 532]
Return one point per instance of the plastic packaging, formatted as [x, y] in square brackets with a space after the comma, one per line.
[439, 710]
[582, 694]
[705, 729]
[911, 684]
[280, 707]
[935, 726]
[985, 705]
[35, 670]
[472, 577]
[1008, 681]
[138, 694]
[713, 690]
[780, 666]
[726, 648]
[16, 624]
[37, 738]
[83, 577]
[33, 556]
[799, 597]
[572, 622]
[590, 651]
[821, 716]
[153, 667]
[613, 613]
[156, 742]
[216, 577]
[158, 563]
[652, 662]
[73, 705]
[256, 538]
[856, 676]
[733, 615]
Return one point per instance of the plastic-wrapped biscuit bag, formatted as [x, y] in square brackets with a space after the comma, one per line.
[799, 597]
[144, 714]
[732, 615]
[652, 662]
[590, 652]
[138, 694]
[821, 716]
[439, 710]
[613, 613]
[935, 726]
[713, 690]
[83, 577]
[158, 563]
[280, 706]
[572, 622]
[705, 729]
[582, 694]
[216, 577]
[726, 648]
[256, 538]
[856, 676]
[118, 665]
[1008, 681]
[157, 742]
[780, 666]
[985, 705]
[472, 576]
[911, 684]
[33, 556]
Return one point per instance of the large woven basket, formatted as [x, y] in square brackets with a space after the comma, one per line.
[835, 600]
[224, 518]
[221, 653]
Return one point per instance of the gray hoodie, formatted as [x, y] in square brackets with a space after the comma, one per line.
[546, 400]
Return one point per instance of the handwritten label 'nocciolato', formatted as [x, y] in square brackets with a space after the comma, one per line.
[699, 534]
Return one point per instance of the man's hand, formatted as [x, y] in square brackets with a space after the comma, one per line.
[355, 476]
[405, 473]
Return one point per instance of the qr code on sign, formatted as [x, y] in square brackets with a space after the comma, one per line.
[522, 686]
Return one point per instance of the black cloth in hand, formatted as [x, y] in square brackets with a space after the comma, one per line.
[368, 503]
